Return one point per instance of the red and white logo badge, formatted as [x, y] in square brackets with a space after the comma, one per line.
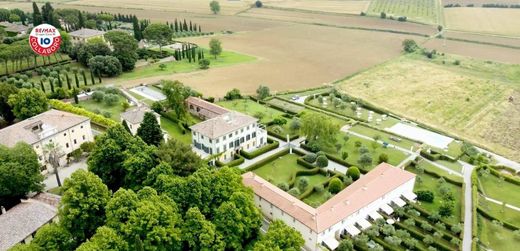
[45, 39]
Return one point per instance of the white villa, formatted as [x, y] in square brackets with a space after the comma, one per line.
[134, 117]
[226, 134]
[64, 129]
[347, 213]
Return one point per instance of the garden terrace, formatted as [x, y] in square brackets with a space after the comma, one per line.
[109, 109]
[500, 188]
[441, 189]
[494, 236]
[384, 136]
[263, 113]
[287, 106]
[348, 107]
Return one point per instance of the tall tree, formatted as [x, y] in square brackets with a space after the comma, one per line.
[124, 48]
[279, 236]
[199, 233]
[81, 20]
[262, 92]
[214, 6]
[37, 16]
[150, 130]
[105, 239]
[137, 30]
[215, 47]
[19, 172]
[5, 109]
[176, 93]
[319, 128]
[83, 203]
[178, 156]
[159, 34]
[54, 237]
[28, 102]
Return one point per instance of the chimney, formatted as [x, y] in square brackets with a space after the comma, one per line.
[2, 208]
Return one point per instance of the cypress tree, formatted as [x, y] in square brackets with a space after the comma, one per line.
[76, 78]
[81, 20]
[150, 131]
[99, 76]
[185, 26]
[51, 82]
[84, 77]
[68, 81]
[137, 29]
[75, 92]
[193, 54]
[60, 84]
[199, 28]
[191, 26]
[93, 81]
[37, 16]
[42, 85]
[176, 26]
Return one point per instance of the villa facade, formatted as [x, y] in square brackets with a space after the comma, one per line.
[347, 213]
[66, 130]
[134, 117]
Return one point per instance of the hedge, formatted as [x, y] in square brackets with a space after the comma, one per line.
[237, 161]
[387, 246]
[507, 178]
[336, 159]
[266, 160]
[492, 218]
[424, 212]
[272, 106]
[421, 236]
[282, 137]
[273, 144]
[446, 234]
[96, 118]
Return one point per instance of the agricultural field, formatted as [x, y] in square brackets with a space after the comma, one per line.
[497, 21]
[424, 11]
[333, 6]
[466, 97]
[477, 2]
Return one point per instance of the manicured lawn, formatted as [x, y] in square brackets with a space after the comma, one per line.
[175, 131]
[114, 110]
[428, 166]
[500, 190]
[367, 131]
[280, 170]
[454, 149]
[316, 198]
[225, 59]
[348, 111]
[431, 183]
[286, 105]
[56, 190]
[504, 213]
[252, 108]
[394, 156]
[455, 166]
[286, 129]
[496, 237]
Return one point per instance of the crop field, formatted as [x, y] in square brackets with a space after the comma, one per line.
[484, 20]
[424, 11]
[195, 6]
[476, 100]
[477, 2]
[333, 6]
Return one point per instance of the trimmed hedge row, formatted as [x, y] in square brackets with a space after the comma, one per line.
[281, 137]
[424, 212]
[273, 144]
[446, 234]
[507, 178]
[491, 217]
[266, 160]
[273, 106]
[434, 155]
[421, 236]
[237, 161]
[336, 159]
[96, 118]
[387, 246]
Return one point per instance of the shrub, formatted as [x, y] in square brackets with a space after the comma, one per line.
[344, 155]
[314, 146]
[76, 154]
[107, 114]
[409, 45]
[303, 182]
[347, 180]
[279, 121]
[335, 185]
[58, 105]
[157, 107]
[354, 172]
[204, 64]
[98, 96]
[383, 157]
[87, 146]
[446, 209]
[401, 19]
[233, 94]
[319, 188]
[162, 67]
[427, 196]
[284, 186]
[310, 157]
[322, 161]
[294, 191]
[258, 4]
[111, 99]
[382, 15]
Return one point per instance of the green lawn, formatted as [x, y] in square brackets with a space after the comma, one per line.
[225, 59]
[174, 131]
[496, 237]
[280, 170]
[370, 132]
[454, 149]
[428, 166]
[500, 190]
[349, 112]
[252, 108]
[114, 110]
[431, 183]
[286, 129]
[394, 156]
[455, 166]
[504, 213]
[286, 105]
[316, 198]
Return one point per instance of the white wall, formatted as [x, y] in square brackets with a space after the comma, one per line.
[68, 140]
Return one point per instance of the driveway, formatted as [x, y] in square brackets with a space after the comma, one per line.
[64, 173]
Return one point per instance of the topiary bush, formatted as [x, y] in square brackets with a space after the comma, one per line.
[322, 161]
[353, 172]
[294, 191]
[310, 157]
[335, 185]
[427, 196]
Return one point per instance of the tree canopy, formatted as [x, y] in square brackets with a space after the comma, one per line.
[159, 34]
[5, 109]
[125, 48]
[150, 130]
[279, 236]
[180, 158]
[319, 128]
[28, 103]
[215, 47]
[176, 93]
[215, 7]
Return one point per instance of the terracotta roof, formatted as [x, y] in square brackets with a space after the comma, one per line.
[223, 124]
[86, 33]
[13, 27]
[52, 122]
[213, 108]
[136, 115]
[381, 180]
[24, 219]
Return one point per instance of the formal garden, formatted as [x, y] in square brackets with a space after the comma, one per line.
[304, 176]
[108, 102]
[497, 223]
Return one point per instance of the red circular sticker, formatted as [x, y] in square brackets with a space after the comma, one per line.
[45, 39]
